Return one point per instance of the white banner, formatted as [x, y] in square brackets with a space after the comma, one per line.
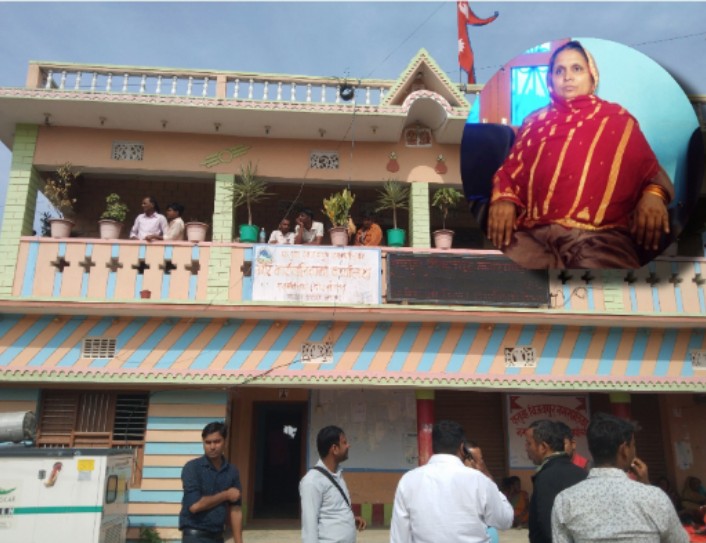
[524, 409]
[302, 273]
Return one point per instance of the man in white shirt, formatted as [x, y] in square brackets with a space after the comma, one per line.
[150, 225]
[283, 235]
[445, 501]
[608, 505]
[327, 516]
[308, 231]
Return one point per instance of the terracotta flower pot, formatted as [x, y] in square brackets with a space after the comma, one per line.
[61, 228]
[443, 239]
[339, 236]
[109, 229]
[196, 231]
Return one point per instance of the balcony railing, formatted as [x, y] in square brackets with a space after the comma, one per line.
[105, 271]
[207, 85]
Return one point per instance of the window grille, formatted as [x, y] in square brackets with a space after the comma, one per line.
[698, 360]
[317, 352]
[323, 160]
[520, 357]
[95, 419]
[417, 136]
[130, 421]
[128, 150]
[98, 347]
[529, 91]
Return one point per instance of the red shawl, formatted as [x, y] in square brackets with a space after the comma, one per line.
[581, 163]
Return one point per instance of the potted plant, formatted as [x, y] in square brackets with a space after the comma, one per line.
[248, 189]
[338, 210]
[57, 189]
[112, 219]
[393, 195]
[444, 199]
[196, 230]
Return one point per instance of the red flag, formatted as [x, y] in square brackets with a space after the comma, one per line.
[466, 17]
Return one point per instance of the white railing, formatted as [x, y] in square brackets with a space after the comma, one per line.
[207, 85]
[122, 82]
[302, 90]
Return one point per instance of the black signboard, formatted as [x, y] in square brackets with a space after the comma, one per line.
[464, 280]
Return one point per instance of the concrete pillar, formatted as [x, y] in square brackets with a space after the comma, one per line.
[219, 265]
[20, 202]
[425, 422]
[620, 404]
[419, 221]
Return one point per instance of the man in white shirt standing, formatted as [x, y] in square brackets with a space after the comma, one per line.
[327, 516]
[150, 225]
[445, 500]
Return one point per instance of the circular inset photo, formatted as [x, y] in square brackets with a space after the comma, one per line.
[582, 153]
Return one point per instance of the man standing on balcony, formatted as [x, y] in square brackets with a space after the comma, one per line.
[150, 225]
[308, 231]
[212, 492]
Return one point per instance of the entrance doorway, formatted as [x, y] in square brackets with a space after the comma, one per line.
[280, 430]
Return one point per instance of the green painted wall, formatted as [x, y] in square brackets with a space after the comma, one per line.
[20, 203]
[419, 220]
[220, 257]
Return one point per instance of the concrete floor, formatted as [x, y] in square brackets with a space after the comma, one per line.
[368, 536]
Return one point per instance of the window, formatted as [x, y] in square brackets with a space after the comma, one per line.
[417, 136]
[95, 420]
[541, 48]
[98, 347]
[529, 91]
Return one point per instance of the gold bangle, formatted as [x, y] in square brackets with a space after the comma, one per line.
[658, 191]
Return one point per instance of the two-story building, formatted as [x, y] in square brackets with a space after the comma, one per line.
[117, 342]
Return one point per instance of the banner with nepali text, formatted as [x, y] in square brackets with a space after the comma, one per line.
[303, 273]
[524, 409]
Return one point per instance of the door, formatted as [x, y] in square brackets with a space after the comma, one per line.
[279, 458]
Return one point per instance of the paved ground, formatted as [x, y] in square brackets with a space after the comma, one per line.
[368, 536]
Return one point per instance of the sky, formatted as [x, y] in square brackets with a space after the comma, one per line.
[339, 39]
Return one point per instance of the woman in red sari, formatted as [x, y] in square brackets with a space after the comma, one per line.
[581, 187]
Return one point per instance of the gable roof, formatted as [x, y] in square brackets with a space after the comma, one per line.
[435, 80]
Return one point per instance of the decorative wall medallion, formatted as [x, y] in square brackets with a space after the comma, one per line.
[225, 156]
[440, 167]
[392, 164]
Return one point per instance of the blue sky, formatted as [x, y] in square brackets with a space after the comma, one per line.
[353, 39]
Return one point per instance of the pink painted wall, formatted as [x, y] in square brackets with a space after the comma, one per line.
[90, 149]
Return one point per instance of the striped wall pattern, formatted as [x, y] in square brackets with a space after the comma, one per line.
[200, 352]
[174, 423]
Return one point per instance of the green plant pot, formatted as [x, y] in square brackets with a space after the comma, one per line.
[248, 233]
[395, 237]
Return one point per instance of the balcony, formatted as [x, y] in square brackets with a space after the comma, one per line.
[92, 276]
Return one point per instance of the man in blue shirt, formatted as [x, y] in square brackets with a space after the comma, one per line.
[212, 492]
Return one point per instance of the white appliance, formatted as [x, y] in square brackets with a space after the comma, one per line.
[64, 495]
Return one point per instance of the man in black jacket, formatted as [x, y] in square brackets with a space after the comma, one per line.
[544, 443]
